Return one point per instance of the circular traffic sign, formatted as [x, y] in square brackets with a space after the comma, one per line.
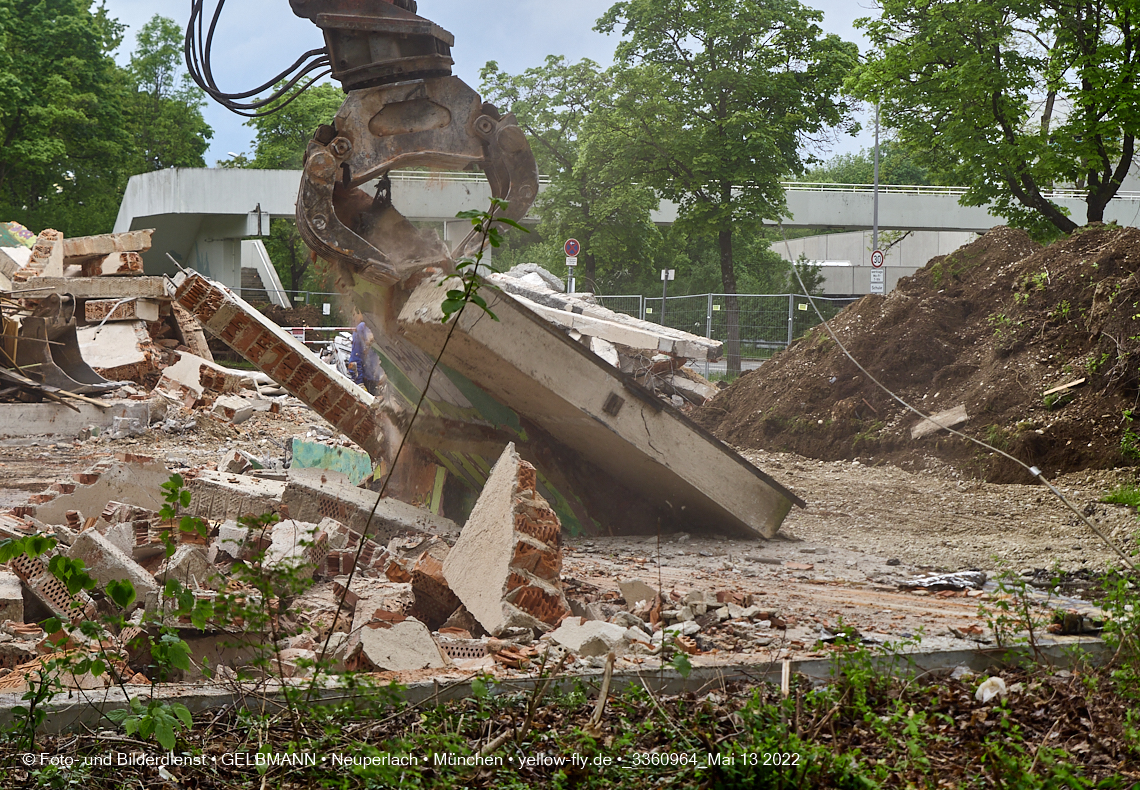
[877, 259]
[573, 248]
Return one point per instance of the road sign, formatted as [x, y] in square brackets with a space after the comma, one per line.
[877, 276]
[877, 258]
[668, 274]
[571, 261]
[878, 288]
[572, 248]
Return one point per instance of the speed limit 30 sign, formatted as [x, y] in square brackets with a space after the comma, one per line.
[877, 259]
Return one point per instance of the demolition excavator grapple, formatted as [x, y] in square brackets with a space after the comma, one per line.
[404, 109]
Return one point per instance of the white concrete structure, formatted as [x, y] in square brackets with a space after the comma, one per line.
[845, 258]
[200, 216]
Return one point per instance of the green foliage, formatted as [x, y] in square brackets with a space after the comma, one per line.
[587, 199]
[1123, 494]
[163, 109]
[1010, 99]
[468, 270]
[709, 105]
[1129, 439]
[159, 718]
[896, 166]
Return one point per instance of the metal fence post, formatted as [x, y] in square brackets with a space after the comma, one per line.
[791, 318]
[708, 331]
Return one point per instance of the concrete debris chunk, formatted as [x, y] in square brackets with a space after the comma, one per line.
[317, 455]
[49, 590]
[97, 310]
[634, 591]
[119, 351]
[938, 422]
[117, 264]
[138, 480]
[590, 637]
[505, 566]
[403, 646]
[11, 598]
[963, 580]
[218, 496]
[313, 495]
[105, 562]
[232, 408]
[191, 378]
[46, 259]
[296, 545]
[434, 600]
[191, 567]
[83, 248]
[229, 543]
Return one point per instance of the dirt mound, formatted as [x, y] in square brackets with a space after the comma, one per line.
[305, 315]
[994, 326]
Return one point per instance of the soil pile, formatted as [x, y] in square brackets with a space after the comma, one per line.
[992, 326]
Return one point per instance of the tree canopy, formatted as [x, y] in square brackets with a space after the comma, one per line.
[1012, 99]
[711, 103]
[609, 215]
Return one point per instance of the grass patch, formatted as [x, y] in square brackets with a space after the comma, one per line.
[1123, 494]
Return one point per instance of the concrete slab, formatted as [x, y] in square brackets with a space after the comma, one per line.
[688, 478]
[54, 419]
[96, 287]
[950, 418]
[355, 465]
[47, 256]
[138, 483]
[106, 563]
[589, 637]
[296, 545]
[81, 248]
[117, 264]
[191, 377]
[221, 496]
[505, 566]
[403, 646]
[313, 495]
[232, 408]
[346, 406]
[117, 351]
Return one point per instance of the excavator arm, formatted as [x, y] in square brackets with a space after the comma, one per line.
[404, 108]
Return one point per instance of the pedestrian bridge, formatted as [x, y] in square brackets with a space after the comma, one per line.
[200, 216]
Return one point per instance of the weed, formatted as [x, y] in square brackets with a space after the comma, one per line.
[1012, 613]
[1129, 439]
[997, 436]
[1123, 494]
[1057, 400]
[1095, 364]
[1061, 311]
[1000, 322]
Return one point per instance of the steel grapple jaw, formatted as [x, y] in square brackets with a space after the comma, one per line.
[403, 109]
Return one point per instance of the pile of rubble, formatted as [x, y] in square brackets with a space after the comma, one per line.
[386, 586]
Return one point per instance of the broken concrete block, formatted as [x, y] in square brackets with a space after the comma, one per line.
[11, 598]
[232, 409]
[401, 647]
[355, 465]
[434, 600]
[117, 264]
[505, 566]
[81, 248]
[105, 562]
[191, 377]
[121, 535]
[296, 545]
[230, 543]
[589, 637]
[635, 591]
[937, 422]
[122, 351]
[50, 591]
[314, 495]
[192, 335]
[97, 310]
[138, 482]
[218, 496]
[191, 567]
[47, 257]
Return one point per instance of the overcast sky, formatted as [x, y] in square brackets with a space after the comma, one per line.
[256, 39]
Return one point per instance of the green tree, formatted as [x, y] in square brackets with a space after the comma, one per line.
[896, 166]
[164, 107]
[62, 142]
[608, 215]
[1012, 98]
[712, 102]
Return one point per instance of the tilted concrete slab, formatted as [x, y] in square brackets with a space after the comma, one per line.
[94, 287]
[601, 415]
[82, 248]
[55, 419]
[346, 406]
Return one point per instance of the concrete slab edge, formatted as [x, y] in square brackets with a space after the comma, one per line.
[78, 708]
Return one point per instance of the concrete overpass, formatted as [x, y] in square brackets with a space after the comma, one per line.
[201, 216]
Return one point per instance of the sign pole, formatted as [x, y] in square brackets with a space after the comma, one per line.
[875, 219]
[666, 276]
[572, 248]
